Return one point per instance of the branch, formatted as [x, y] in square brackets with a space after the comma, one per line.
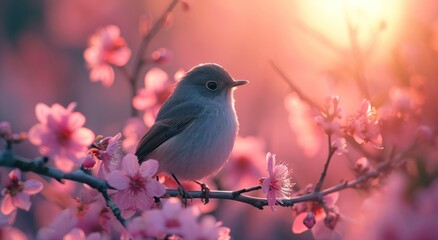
[331, 151]
[261, 202]
[359, 66]
[321, 38]
[295, 89]
[9, 159]
[139, 61]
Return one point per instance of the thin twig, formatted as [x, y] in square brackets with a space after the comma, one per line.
[331, 151]
[357, 53]
[139, 60]
[321, 38]
[295, 89]
[246, 190]
[315, 106]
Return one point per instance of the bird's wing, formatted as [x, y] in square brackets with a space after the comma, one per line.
[168, 124]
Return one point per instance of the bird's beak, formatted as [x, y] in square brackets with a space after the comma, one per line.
[237, 83]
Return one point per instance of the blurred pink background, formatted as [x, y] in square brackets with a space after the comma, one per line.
[42, 42]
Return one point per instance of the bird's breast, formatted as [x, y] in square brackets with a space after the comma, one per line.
[203, 147]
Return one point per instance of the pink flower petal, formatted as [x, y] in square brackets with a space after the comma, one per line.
[266, 185]
[22, 200]
[298, 225]
[41, 112]
[15, 174]
[83, 136]
[149, 168]
[92, 56]
[130, 164]
[104, 73]
[270, 159]
[128, 212]
[331, 199]
[124, 199]
[156, 189]
[120, 57]
[7, 206]
[321, 231]
[113, 31]
[63, 164]
[32, 186]
[76, 120]
[271, 199]
[155, 79]
[144, 99]
[71, 107]
[35, 134]
[75, 234]
[118, 180]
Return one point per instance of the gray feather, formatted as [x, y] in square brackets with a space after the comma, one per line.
[167, 126]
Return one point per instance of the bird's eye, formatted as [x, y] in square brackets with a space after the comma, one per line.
[211, 85]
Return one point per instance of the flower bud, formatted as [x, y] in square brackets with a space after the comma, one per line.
[424, 133]
[340, 146]
[331, 220]
[362, 165]
[310, 220]
[89, 162]
[5, 129]
[160, 55]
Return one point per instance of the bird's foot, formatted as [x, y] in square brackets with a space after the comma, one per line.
[182, 191]
[205, 196]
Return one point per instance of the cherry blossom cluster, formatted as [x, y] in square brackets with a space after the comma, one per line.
[104, 193]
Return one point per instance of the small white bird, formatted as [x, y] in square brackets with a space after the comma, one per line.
[195, 130]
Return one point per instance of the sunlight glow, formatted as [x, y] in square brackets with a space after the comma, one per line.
[329, 17]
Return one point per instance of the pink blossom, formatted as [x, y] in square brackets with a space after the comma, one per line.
[61, 225]
[161, 55]
[173, 218]
[7, 219]
[91, 212]
[108, 151]
[399, 210]
[17, 193]
[106, 48]
[210, 229]
[340, 146]
[141, 228]
[59, 134]
[278, 185]
[79, 234]
[364, 127]
[312, 216]
[135, 184]
[157, 89]
[362, 165]
[5, 129]
[88, 212]
[133, 131]
[331, 113]
[11, 233]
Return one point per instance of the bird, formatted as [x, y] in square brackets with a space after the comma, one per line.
[195, 129]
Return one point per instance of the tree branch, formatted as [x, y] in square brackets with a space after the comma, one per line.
[331, 151]
[139, 60]
[9, 159]
[295, 89]
[261, 202]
